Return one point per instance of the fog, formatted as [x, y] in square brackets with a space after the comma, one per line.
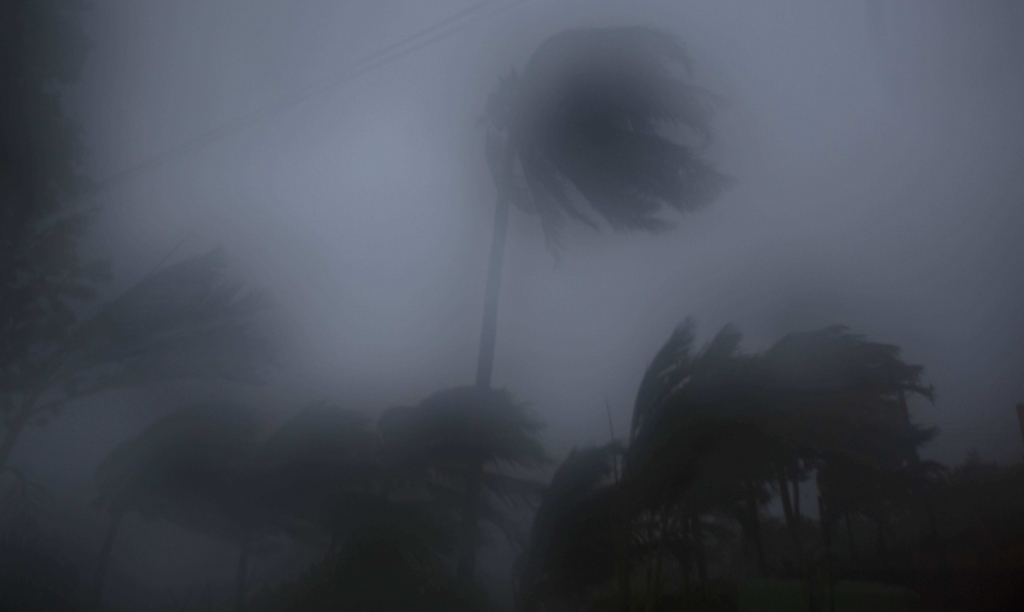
[876, 158]
[876, 150]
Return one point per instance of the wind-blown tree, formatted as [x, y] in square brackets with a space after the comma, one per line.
[38, 578]
[389, 498]
[322, 471]
[375, 574]
[716, 469]
[584, 133]
[50, 350]
[713, 429]
[185, 321]
[846, 397]
[593, 530]
[466, 442]
[818, 398]
[195, 468]
[574, 544]
[326, 473]
[43, 278]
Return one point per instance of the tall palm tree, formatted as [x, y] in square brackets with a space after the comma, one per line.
[585, 126]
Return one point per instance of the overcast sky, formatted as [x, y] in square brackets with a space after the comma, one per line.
[877, 151]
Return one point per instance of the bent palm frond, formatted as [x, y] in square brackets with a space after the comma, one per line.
[591, 114]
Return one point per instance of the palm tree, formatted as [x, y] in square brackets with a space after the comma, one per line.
[389, 496]
[193, 468]
[466, 443]
[184, 321]
[590, 114]
[712, 428]
[827, 400]
[321, 470]
[574, 546]
[844, 398]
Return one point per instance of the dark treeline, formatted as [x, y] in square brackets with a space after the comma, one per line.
[701, 505]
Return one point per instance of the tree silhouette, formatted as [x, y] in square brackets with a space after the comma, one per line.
[194, 468]
[182, 322]
[466, 443]
[389, 497]
[712, 429]
[589, 115]
[38, 578]
[43, 279]
[322, 471]
[574, 544]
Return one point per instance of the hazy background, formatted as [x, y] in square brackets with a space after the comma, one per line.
[877, 147]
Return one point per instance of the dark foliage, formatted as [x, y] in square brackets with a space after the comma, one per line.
[375, 575]
[37, 578]
[713, 431]
[42, 276]
[590, 113]
[192, 468]
[572, 545]
[43, 279]
[435, 446]
[185, 321]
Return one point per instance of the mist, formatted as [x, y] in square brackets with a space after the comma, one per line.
[874, 149]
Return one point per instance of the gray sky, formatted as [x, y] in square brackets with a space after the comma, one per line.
[877, 149]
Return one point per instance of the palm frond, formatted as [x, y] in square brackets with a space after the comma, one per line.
[669, 367]
[184, 321]
[464, 424]
[191, 468]
[571, 544]
[589, 115]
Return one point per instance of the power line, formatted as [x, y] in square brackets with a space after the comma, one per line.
[416, 41]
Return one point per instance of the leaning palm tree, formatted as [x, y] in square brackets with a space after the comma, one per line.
[828, 399]
[321, 471]
[184, 321]
[583, 134]
[464, 444]
[573, 545]
[193, 468]
[449, 428]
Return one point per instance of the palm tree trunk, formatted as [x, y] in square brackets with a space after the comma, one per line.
[880, 525]
[792, 522]
[243, 572]
[796, 496]
[697, 538]
[108, 545]
[625, 578]
[659, 563]
[624, 571]
[849, 539]
[649, 580]
[484, 369]
[825, 522]
[755, 531]
[787, 511]
[489, 328]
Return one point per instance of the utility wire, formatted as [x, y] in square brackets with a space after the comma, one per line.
[414, 42]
